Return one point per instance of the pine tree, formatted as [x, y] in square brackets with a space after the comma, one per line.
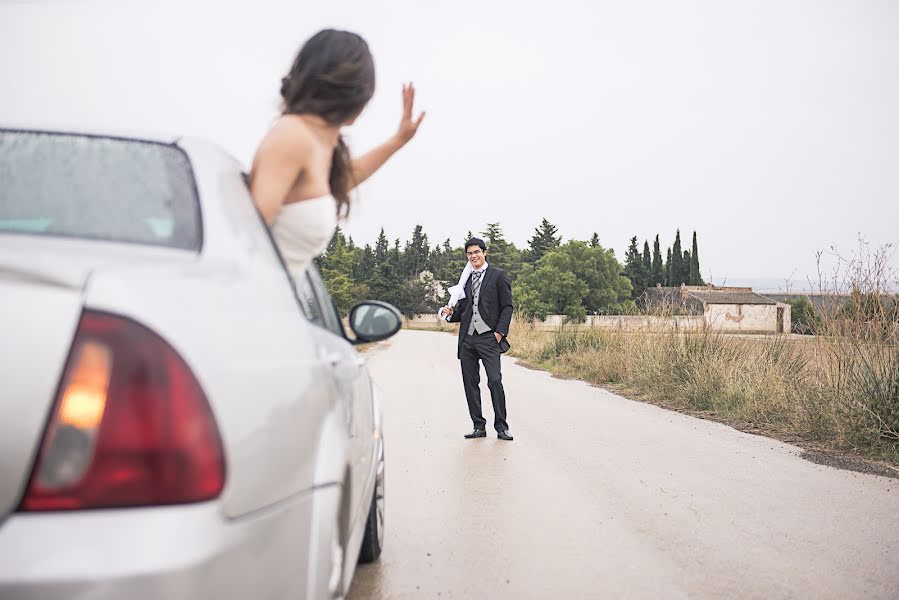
[493, 234]
[452, 262]
[501, 253]
[387, 279]
[338, 256]
[415, 254]
[647, 267]
[594, 241]
[338, 235]
[394, 255]
[381, 247]
[364, 267]
[544, 240]
[658, 269]
[695, 273]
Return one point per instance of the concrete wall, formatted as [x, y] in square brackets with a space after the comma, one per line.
[736, 318]
[788, 319]
[431, 321]
[743, 318]
[556, 322]
[625, 323]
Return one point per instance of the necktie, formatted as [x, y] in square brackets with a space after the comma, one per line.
[475, 283]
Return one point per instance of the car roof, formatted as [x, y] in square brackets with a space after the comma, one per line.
[118, 133]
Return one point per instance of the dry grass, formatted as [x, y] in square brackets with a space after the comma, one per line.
[838, 390]
[829, 391]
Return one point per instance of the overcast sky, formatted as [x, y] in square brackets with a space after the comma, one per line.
[769, 127]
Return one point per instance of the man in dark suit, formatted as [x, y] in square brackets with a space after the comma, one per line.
[485, 314]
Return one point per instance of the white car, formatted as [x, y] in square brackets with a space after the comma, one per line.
[178, 419]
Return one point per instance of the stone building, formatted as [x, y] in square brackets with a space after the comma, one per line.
[731, 309]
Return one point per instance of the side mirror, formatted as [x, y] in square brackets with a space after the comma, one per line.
[372, 320]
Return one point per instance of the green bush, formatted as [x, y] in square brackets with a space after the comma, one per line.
[802, 316]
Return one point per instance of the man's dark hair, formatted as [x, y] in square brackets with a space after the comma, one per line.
[476, 242]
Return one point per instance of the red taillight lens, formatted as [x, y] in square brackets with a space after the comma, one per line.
[130, 427]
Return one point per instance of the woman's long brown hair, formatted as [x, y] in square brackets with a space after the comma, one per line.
[333, 77]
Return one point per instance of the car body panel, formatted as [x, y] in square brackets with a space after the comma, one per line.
[38, 321]
[161, 552]
[298, 414]
[41, 300]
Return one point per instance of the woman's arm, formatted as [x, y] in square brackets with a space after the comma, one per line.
[281, 159]
[371, 161]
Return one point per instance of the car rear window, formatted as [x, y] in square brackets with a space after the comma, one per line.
[98, 188]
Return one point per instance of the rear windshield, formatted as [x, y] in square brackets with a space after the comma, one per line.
[97, 188]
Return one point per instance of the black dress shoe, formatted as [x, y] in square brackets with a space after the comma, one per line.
[476, 434]
[504, 435]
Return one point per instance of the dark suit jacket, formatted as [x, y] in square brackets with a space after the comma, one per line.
[494, 306]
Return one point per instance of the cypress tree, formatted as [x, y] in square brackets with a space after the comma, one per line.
[695, 273]
[669, 278]
[658, 269]
[677, 262]
[685, 276]
[647, 266]
[633, 268]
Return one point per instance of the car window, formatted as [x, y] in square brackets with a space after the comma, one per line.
[99, 188]
[332, 319]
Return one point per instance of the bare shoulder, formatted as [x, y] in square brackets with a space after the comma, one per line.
[288, 137]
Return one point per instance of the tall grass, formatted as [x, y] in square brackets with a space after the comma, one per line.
[838, 389]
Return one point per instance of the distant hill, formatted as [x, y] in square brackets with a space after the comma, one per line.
[772, 285]
[764, 284]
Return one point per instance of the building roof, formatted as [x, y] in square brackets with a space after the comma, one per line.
[729, 297]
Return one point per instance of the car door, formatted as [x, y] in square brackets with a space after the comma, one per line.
[352, 380]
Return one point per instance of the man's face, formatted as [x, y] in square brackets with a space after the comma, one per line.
[476, 256]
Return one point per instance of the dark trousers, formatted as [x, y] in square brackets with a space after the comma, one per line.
[483, 347]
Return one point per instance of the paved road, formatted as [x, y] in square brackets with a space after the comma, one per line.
[602, 497]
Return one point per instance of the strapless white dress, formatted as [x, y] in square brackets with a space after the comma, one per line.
[303, 230]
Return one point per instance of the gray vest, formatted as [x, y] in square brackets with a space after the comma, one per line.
[477, 323]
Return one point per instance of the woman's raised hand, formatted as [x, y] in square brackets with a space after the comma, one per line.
[408, 125]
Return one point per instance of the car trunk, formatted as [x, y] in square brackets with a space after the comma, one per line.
[43, 283]
[40, 306]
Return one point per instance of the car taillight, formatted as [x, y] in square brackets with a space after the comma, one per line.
[130, 426]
